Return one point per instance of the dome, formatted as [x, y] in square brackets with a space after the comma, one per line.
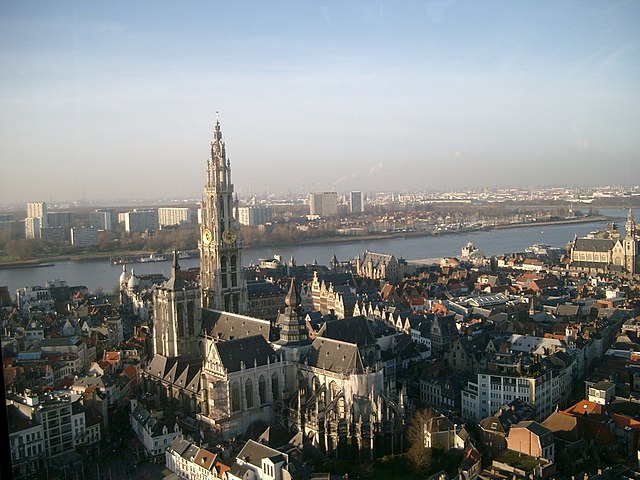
[133, 281]
[123, 275]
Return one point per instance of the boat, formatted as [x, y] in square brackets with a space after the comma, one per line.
[152, 258]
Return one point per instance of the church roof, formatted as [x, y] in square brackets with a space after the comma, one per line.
[594, 244]
[335, 356]
[353, 330]
[249, 351]
[174, 370]
[229, 326]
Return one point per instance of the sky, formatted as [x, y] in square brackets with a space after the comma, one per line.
[117, 100]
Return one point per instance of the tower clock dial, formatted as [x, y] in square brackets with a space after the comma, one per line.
[206, 236]
[229, 235]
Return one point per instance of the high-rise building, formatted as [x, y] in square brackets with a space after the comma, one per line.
[255, 215]
[141, 220]
[221, 275]
[103, 219]
[173, 216]
[32, 228]
[38, 210]
[356, 202]
[84, 236]
[324, 204]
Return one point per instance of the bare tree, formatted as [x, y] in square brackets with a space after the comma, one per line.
[418, 454]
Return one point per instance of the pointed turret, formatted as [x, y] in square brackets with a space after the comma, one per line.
[291, 300]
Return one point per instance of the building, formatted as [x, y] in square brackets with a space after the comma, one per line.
[255, 215]
[103, 219]
[380, 266]
[356, 202]
[177, 318]
[608, 253]
[38, 210]
[168, 216]
[63, 220]
[221, 274]
[32, 228]
[84, 236]
[506, 378]
[323, 204]
[138, 221]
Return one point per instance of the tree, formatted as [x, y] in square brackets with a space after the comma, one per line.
[418, 454]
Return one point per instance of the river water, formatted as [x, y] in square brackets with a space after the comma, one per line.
[96, 274]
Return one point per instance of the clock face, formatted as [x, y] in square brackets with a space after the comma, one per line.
[206, 236]
[229, 236]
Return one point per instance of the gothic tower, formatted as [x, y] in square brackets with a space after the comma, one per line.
[630, 244]
[221, 275]
[177, 319]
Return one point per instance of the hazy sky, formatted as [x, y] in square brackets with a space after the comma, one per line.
[118, 99]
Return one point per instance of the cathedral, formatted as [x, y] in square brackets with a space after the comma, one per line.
[229, 371]
[608, 251]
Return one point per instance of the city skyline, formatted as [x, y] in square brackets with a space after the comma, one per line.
[119, 101]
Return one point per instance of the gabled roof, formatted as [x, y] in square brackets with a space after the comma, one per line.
[254, 452]
[335, 356]
[229, 326]
[249, 351]
[352, 330]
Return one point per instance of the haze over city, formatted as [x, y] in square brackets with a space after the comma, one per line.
[118, 100]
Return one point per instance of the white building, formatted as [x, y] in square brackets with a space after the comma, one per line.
[174, 216]
[32, 228]
[154, 432]
[38, 210]
[506, 378]
[255, 215]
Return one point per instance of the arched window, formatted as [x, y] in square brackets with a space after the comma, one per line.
[235, 397]
[180, 320]
[234, 273]
[221, 207]
[275, 387]
[248, 392]
[262, 390]
[190, 319]
[223, 271]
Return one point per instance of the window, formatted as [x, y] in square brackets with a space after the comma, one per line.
[248, 390]
[262, 390]
[275, 389]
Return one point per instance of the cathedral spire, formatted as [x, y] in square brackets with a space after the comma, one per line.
[175, 268]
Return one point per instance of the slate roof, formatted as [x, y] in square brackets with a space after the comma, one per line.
[183, 373]
[543, 433]
[254, 452]
[594, 244]
[228, 326]
[250, 351]
[335, 356]
[352, 330]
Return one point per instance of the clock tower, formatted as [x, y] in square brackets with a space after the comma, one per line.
[221, 275]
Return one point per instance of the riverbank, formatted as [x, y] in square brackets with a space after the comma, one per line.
[47, 261]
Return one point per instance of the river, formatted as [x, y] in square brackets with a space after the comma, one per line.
[101, 274]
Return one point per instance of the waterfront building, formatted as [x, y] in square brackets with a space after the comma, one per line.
[168, 216]
[356, 202]
[380, 266]
[32, 228]
[103, 219]
[63, 220]
[255, 215]
[84, 236]
[140, 220]
[324, 204]
[38, 210]
[608, 252]
[221, 272]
